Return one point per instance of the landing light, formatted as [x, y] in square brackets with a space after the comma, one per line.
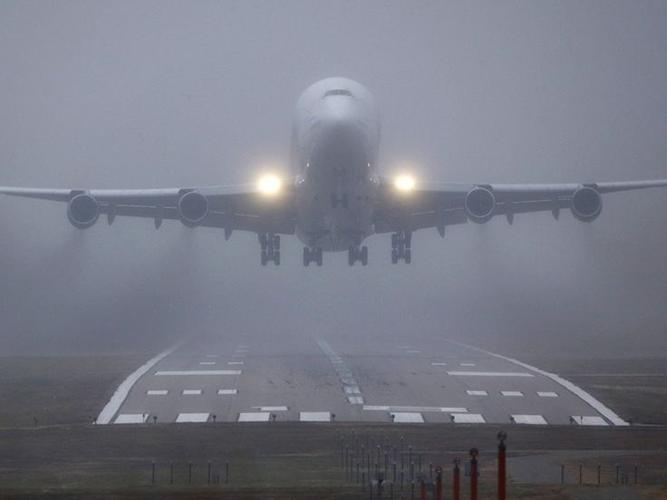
[405, 183]
[269, 184]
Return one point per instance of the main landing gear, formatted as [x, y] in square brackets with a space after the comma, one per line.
[401, 247]
[357, 254]
[312, 255]
[270, 244]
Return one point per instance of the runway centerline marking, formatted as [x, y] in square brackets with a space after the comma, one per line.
[254, 416]
[605, 411]
[477, 393]
[209, 363]
[164, 373]
[515, 394]
[227, 392]
[270, 408]
[465, 373]
[350, 386]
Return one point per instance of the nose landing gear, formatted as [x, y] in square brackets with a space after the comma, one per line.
[357, 254]
[270, 244]
[312, 255]
[401, 247]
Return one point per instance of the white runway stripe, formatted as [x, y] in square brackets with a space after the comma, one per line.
[227, 392]
[466, 364]
[192, 417]
[191, 392]
[271, 408]
[235, 363]
[355, 400]
[516, 394]
[254, 416]
[529, 419]
[209, 363]
[467, 418]
[489, 374]
[580, 420]
[407, 418]
[438, 364]
[131, 418]
[547, 394]
[163, 373]
[157, 392]
[315, 416]
[477, 393]
[123, 390]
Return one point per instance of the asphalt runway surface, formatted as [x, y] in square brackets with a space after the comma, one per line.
[323, 379]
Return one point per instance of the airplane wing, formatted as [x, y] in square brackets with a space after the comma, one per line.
[440, 205]
[242, 207]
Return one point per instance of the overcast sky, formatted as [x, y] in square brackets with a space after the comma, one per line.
[162, 94]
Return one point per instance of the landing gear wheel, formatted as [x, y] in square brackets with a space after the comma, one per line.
[319, 256]
[306, 256]
[264, 258]
[364, 256]
[407, 256]
[276, 258]
[351, 256]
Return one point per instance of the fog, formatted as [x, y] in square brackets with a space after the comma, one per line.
[165, 94]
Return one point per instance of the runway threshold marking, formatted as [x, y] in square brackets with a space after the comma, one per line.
[467, 418]
[120, 395]
[350, 386]
[164, 373]
[254, 416]
[131, 418]
[227, 392]
[529, 419]
[407, 418]
[192, 417]
[477, 393]
[582, 420]
[315, 416]
[601, 408]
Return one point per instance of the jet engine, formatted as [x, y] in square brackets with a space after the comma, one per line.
[192, 208]
[480, 204]
[586, 204]
[83, 211]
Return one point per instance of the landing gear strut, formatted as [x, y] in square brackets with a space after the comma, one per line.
[401, 243]
[312, 255]
[357, 254]
[270, 244]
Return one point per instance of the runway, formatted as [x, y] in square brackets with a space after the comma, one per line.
[241, 379]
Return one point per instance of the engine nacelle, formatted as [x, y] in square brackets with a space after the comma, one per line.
[83, 211]
[192, 208]
[586, 204]
[480, 203]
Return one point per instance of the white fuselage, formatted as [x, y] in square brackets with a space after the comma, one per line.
[334, 151]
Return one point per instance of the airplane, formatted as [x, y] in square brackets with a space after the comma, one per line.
[336, 197]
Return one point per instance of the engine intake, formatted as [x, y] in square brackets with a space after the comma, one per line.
[480, 203]
[83, 211]
[192, 208]
[586, 204]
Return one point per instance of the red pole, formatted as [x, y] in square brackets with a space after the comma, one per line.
[473, 473]
[438, 483]
[456, 481]
[502, 474]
